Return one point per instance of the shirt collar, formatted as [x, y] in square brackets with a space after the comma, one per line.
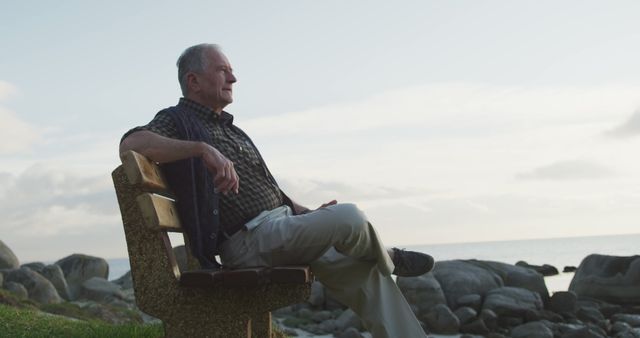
[205, 112]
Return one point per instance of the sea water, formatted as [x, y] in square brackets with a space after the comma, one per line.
[559, 252]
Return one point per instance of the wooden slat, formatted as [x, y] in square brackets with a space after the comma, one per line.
[246, 277]
[140, 170]
[159, 213]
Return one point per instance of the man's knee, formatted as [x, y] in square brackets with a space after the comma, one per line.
[351, 215]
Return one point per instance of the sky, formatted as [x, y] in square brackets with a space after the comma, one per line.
[445, 121]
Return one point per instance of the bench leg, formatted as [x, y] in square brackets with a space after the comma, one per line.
[209, 328]
[261, 325]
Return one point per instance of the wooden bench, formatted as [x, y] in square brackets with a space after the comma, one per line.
[193, 303]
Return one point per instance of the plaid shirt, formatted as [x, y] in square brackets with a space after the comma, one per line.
[258, 189]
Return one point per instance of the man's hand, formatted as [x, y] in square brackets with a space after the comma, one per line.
[226, 179]
[332, 202]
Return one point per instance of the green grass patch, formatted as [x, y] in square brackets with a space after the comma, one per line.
[27, 322]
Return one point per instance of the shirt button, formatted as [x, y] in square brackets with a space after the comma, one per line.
[215, 211]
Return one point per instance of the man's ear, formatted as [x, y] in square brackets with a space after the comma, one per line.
[192, 83]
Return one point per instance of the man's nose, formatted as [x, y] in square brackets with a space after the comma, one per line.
[231, 78]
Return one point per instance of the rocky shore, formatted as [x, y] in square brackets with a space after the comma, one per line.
[468, 298]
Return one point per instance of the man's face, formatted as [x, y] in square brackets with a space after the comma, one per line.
[213, 87]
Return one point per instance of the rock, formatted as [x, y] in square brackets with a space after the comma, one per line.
[545, 270]
[35, 266]
[440, 319]
[473, 301]
[8, 259]
[569, 269]
[489, 318]
[39, 288]
[78, 268]
[54, 274]
[614, 279]
[632, 333]
[532, 330]
[316, 298]
[477, 326]
[619, 327]
[631, 319]
[589, 314]
[465, 314]
[459, 278]
[321, 316]
[512, 301]
[350, 333]
[563, 301]
[125, 281]
[517, 276]
[422, 292]
[348, 319]
[327, 327]
[16, 289]
[100, 290]
[584, 332]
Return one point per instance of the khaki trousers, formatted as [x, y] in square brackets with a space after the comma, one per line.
[343, 251]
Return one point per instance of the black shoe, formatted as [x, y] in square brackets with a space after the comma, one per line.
[411, 263]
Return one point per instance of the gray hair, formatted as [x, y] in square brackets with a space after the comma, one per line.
[193, 60]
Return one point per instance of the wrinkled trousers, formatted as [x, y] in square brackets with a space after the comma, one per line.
[344, 253]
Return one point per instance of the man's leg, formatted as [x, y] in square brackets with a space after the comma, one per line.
[372, 295]
[345, 254]
[300, 239]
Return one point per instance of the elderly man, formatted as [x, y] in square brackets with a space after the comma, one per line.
[232, 206]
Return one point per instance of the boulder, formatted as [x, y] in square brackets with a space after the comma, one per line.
[477, 326]
[16, 289]
[614, 279]
[512, 302]
[54, 274]
[518, 276]
[465, 314]
[440, 319]
[125, 281]
[631, 319]
[459, 278]
[532, 330]
[350, 333]
[545, 269]
[583, 332]
[8, 259]
[569, 269]
[348, 319]
[473, 301]
[100, 290]
[422, 292]
[78, 268]
[39, 288]
[35, 266]
[489, 318]
[563, 301]
[590, 314]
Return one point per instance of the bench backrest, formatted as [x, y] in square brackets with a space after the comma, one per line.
[148, 214]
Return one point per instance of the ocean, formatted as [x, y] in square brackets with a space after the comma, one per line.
[559, 252]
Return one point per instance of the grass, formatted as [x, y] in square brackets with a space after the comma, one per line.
[25, 319]
[27, 322]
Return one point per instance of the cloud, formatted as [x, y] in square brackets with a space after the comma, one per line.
[567, 170]
[455, 110]
[42, 202]
[16, 135]
[628, 129]
[312, 191]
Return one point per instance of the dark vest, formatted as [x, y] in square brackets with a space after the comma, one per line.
[192, 184]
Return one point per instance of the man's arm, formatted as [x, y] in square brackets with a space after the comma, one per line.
[164, 149]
